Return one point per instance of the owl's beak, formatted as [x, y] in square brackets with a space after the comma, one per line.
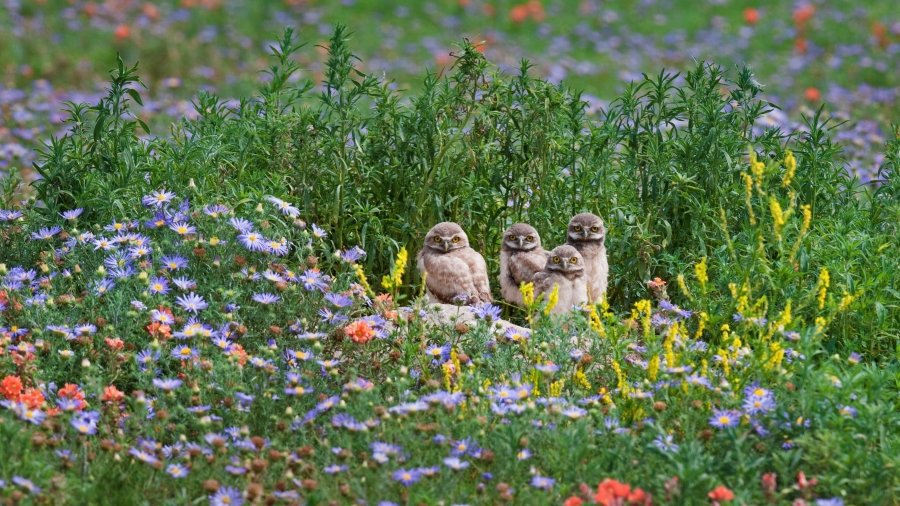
[446, 246]
[585, 233]
[519, 241]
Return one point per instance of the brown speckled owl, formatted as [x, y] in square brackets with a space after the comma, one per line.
[521, 257]
[588, 235]
[564, 267]
[453, 268]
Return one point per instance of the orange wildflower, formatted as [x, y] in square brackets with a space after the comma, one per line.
[359, 331]
[11, 387]
[609, 490]
[721, 493]
[70, 391]
[573, 501]
[111, 393]
[115, 343]
[32, 397]
[122, 32]
[518, 13]
[812, 94]
[159, 329]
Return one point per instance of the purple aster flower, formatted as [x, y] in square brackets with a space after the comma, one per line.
[353, 254]
[542, 482]
[100, 287]
[226, 496]
[183, 352]
[515, 335]
[173, 262]
[455, 464]
[665, 443]
[754, 405]
[754, 390]
[574, 412]
[834, 501]
[486, 311]
[159, 220]
[854, 358]
[546, 368]
[215, 210]
[722, 419]
[338, 300]
[34, 416]
[184, 283]
[330, 317]
[404, 476]
[159, 285]
[253, 241]
[191, 302]
[177, 470]
[277, 248]
[183, 228]
[334, 469]
[45, 233]
[158, 198]
[285, 208]
[312, 280]
[266, 298]
[241, 225]
[167, 384]
[71, 214]
[847, 411]
[27, 484]
[84, 425]
[319, 233]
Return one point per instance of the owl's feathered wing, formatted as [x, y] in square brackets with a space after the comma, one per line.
[478, 268]
[460, 272]
[517, 268]
[596, 267]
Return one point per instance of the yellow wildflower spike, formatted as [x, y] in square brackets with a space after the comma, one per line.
[790, 166]
[552, 300]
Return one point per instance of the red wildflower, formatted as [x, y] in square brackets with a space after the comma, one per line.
[573, 501]
[609, 490]
[805, 485]
[721, 493]
[359, 331]
[11, 387]
[751, 16]
[803, 14]
[769, 485]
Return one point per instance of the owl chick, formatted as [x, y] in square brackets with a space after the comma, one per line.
[588, 235]
[452, 267]
[521, 257]
[564, 267]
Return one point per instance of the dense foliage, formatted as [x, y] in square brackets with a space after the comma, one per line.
[193, 313]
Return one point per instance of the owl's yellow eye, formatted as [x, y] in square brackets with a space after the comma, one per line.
[574, 260]
[455, 239]
[594, 229]
[437, 239]
[556, 260]
[578, 228]
[529, 238]
[512, 238]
